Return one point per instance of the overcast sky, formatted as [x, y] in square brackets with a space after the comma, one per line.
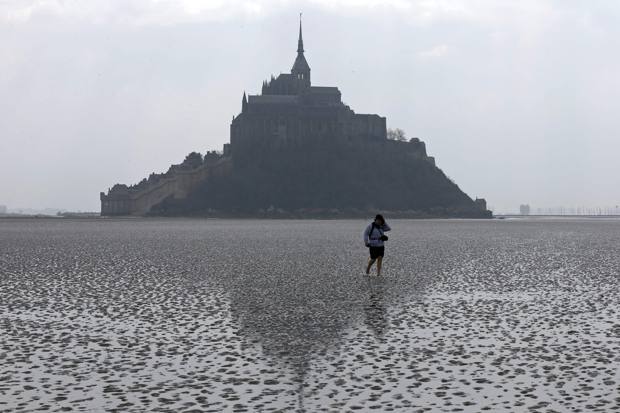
[519, 101]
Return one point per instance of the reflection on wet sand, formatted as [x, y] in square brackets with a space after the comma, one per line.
[375, 312]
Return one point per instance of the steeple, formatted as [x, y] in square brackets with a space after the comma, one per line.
[300, 41]
[244, 102]
[301, 69]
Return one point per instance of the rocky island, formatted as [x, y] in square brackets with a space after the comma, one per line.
[296, 150]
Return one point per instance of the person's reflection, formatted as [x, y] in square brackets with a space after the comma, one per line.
[300, 377]
[375, 313]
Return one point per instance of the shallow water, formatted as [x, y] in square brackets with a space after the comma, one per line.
[212, 315]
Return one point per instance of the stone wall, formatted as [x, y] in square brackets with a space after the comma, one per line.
[123, 200]
[368, 126]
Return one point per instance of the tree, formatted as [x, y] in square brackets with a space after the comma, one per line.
[396, 135]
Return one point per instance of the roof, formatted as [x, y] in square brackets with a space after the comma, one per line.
[300, 65]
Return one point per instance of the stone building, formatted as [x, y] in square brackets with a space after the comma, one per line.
[274, 141]
[290, 110]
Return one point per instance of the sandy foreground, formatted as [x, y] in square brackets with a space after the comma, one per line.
[218, 315]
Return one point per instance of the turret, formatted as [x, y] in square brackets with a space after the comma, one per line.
[244, 103]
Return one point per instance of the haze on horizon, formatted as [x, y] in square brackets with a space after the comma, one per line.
[518, 101]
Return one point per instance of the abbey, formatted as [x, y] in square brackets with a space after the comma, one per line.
[297, 150]
[290, 110]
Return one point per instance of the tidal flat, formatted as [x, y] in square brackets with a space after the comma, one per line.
[190, 315]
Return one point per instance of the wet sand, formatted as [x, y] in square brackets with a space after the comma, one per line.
[216, 315]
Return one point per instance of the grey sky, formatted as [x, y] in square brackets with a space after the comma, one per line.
[519, 101]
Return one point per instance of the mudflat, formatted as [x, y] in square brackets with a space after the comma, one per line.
[241, 315]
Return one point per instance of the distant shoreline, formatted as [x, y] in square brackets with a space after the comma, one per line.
[78, 217]
[500, 216]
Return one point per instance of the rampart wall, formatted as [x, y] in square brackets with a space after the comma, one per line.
[123, 200]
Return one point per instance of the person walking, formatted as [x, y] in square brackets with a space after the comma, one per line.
[374, 239]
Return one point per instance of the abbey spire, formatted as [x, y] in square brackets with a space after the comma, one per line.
[301, 69]
[300, 41]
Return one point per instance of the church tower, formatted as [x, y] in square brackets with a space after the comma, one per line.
[301, 69]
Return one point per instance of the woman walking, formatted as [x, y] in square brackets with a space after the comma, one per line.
[374, 238]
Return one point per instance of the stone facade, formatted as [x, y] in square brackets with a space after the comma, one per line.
[177, 183]
[291, 110]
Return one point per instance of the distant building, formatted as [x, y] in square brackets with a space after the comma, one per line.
[291, 110]
[524, 209]
[481, 203]
[268, 149]
[3, 209]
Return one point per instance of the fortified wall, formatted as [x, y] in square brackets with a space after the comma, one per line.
[177, 183]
